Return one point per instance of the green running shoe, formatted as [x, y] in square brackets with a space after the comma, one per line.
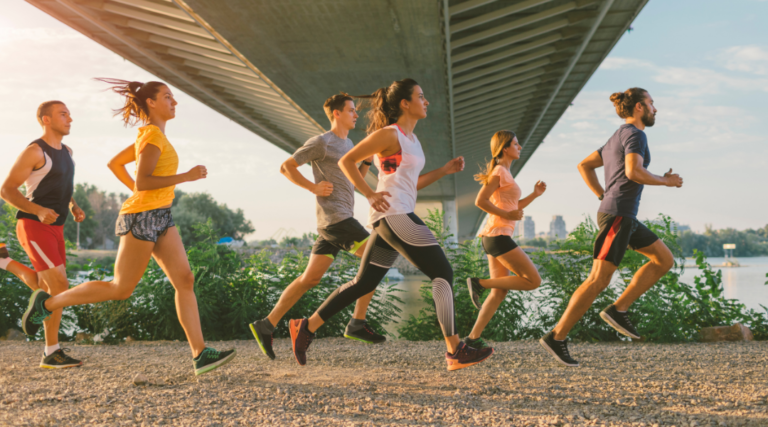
[211, 359]
[477, 344]
[365, 334]
[36, 313]
[263, 337]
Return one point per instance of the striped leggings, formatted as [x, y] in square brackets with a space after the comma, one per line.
[405, 234]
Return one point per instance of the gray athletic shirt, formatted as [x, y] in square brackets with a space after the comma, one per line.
[324, 152]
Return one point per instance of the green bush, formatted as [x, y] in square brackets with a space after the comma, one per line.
[14, 294]
[671, 311]
[231, 292]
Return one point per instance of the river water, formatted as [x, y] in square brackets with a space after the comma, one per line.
[745, 283]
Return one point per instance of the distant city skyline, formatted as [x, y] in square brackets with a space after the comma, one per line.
[708, 86]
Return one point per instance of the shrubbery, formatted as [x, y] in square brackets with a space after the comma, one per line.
[671, 311]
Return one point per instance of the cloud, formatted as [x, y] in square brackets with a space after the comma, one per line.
[618, 63]
[751, 59]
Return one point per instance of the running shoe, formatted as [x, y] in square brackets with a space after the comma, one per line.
[558, 349]
[365, 334]
[263, 337]
[59, 360]
[478, 343]
[466, 356]
[619, 321]
[301, 338]
[475, 291]
[210, 359]
[36, 313]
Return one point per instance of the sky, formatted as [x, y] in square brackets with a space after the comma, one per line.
[705, 62]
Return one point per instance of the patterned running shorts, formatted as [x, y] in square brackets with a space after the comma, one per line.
[148, 225]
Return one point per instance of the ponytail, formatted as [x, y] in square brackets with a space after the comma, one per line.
[135, 110]
[499, 141]
[384, 104]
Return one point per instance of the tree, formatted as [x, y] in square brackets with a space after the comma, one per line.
[101, 211]
[197, 208]
[89, 225]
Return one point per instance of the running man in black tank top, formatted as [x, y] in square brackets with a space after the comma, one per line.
[47, 170]
[625, 158]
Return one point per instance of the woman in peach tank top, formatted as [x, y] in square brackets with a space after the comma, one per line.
[500, 198]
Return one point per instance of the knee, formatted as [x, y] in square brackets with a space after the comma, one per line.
[122, 293]
[186, 283]
[535, 281]
[57, 285]
[596, 285]
[308, 282]
[497, 295]
[665, 262]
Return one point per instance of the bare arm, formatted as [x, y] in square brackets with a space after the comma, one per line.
[117, 166]
[538, 190]
[382, 142]
[364, 168]
[587, 170]
[30, 159]
[290, 168]
[145, 181]
[483, 201]
[636, 172]
[453, 166]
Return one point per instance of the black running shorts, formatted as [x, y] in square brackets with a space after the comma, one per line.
[347, 235]
[617, 233]
[496, 246]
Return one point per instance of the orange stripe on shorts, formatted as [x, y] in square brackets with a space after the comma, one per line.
[608, 242]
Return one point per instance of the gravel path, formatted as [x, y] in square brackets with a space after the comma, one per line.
[397, 383]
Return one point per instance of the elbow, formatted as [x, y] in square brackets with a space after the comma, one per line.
[141, 185]
[632, 175]
[4, 193]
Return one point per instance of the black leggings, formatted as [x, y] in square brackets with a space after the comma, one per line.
[405, 234]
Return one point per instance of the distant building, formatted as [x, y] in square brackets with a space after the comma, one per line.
[557, 228]
[529, 228]
[516, 233]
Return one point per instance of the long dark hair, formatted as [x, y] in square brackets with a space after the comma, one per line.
[135, 110]
[385, 103]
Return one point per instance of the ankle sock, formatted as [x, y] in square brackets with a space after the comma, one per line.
[4, 263]
[49, 349]
[355, 324]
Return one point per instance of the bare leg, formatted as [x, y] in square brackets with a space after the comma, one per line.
[24, 273]
[318, 265]
[132, 259]
[526, 279]
[599, 279]
[55, 282]
[661, 261]
[172, 258]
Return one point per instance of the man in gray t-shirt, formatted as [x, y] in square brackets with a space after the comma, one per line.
[337, 228]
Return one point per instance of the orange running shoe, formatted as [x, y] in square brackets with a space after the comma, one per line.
[466, 356]
[301, 338]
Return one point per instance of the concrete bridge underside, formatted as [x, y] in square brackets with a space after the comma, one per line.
[484, 65]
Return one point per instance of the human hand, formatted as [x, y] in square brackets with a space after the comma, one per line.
[197, 172]
[539, 188]
[455, 165]
[673, 179]
[77, 213]
[46, 216]
[378, 201]
[515, 215]
[323, 189]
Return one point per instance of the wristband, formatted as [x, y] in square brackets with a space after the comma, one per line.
[367, 163]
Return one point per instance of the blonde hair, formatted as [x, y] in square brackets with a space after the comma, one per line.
[499, 141]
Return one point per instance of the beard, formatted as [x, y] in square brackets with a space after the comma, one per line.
[648, 119]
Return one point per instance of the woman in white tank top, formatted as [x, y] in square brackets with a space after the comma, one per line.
[396, 229]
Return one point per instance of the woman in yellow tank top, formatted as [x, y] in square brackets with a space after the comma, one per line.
[145, 224]
[500, 198]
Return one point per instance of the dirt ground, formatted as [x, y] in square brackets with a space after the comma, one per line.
[396, 383]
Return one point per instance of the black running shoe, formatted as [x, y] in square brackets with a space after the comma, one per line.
[558, 349]
[478, 343]
[301, 338]
[263, 337]
[4, 251]
[466, 356]
[365, 334]
[475, 291]
[36, 313]
[59, 360]
[619, 321]
[211, 359]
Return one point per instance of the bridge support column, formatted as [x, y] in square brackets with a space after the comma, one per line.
[451, 218]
